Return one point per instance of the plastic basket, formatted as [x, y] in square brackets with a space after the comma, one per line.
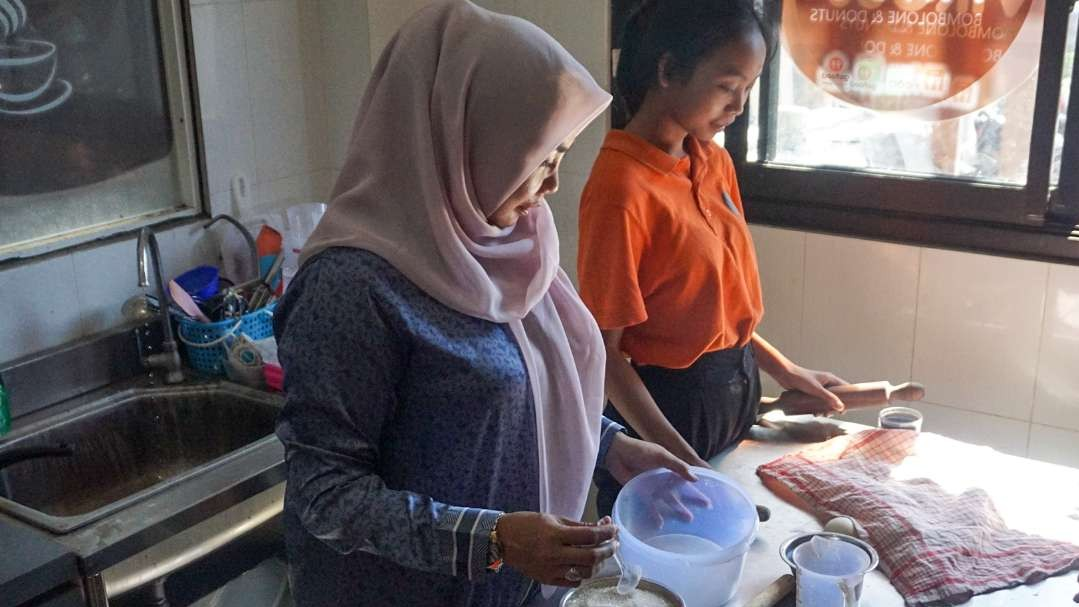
[206, 343]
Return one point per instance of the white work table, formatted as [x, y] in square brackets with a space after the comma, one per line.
[764, 565]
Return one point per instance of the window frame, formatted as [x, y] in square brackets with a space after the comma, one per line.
[181, 83]
[1029, 221]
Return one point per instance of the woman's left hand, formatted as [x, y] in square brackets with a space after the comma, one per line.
[815, 383]
[627, 457]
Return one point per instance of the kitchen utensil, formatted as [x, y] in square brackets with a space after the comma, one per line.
[700, 556]
[200, 282]
[603, 591]
[205, 343]
[183, 299]
[264, 290]
[817, 561]
[829, 572]
[774, 592]
[900, 418]
[854, 396]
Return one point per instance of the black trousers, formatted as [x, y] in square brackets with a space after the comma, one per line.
[712, 404]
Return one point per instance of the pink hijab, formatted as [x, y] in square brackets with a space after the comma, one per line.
[462, 107]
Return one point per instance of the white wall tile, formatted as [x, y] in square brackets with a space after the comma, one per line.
[275, 57]
[582, 27]
[781, 259]
[506, 7]
[978, 328]
[105, 277]
[1056, 401]
[582, 155]
[565, 205]
[346, 69]
[1054, 445]
[867, 416]
[298, 189]
[860, 299]
[385, 18]
[224, 92]
[313, 81]
[1002, 434]
[41, 307]
[221, 202]
[186, 247]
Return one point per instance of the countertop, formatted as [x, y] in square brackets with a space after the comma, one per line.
[763, 564]
[32, 563]
[42, 561]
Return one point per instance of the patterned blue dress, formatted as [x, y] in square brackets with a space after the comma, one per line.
[408, 428]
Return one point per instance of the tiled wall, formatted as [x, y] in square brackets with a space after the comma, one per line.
[266, 94]
[267, 100]
[995, 340]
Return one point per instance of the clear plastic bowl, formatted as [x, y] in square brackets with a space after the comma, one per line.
[696, 549]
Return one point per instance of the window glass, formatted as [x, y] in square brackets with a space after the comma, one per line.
[942, 88]
[87, 133]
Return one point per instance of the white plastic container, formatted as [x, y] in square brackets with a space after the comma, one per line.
[694, 546]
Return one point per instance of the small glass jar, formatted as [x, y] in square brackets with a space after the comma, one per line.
[900, 418]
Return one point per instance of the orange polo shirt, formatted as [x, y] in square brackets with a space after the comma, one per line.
[665, 252]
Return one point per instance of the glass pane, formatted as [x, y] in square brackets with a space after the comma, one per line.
[1069, 61]
[85, 125]
[907, 99]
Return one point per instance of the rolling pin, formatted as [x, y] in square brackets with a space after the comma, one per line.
[854, 396]
[774, 593]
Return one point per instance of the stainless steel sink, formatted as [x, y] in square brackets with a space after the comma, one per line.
[129, 445]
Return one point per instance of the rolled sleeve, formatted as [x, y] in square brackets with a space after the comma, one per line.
[609, 429]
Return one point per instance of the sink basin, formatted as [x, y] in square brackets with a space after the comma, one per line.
[129, 445]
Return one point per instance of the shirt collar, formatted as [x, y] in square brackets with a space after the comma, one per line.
[643, 151]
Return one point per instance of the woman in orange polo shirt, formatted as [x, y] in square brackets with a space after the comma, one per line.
[666, 261]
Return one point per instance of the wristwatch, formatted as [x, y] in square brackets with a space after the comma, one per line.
[494, 549]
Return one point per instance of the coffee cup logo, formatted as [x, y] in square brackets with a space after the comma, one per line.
[28, 83]
[12, 17]
[934, 59]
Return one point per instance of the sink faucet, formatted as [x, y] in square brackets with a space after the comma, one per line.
[169, 357]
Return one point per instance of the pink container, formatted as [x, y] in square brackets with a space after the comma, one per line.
[275, 376]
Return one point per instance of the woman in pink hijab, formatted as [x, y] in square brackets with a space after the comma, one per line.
[444, 381]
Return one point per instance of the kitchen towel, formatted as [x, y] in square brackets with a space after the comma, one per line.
[950, 520]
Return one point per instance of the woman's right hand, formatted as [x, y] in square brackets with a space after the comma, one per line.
[555, 550]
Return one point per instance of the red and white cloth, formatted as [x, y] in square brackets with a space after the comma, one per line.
[949, 520]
